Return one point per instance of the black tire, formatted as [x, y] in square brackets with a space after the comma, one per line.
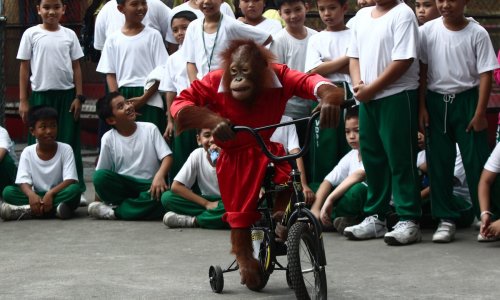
[308, 279]
[216, 279]
[266, 262]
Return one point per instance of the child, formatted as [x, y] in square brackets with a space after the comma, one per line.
[345, 203]
[212, 34]
[252, 15]
[186, 208]
[426, 10]
[489, 196]
[46, 179]
[290, 46]
[175, 80]
[194, 7]
[453, 102]
[361, 3]
[384, 72]
[8, 167]
[129, 55]
[50, 52]
[132, 167]
[326, 55]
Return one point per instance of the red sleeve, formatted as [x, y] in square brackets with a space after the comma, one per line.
[298, 83]
[199, 93]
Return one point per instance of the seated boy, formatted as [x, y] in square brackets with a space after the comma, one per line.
[132, 167]
[345, 203]
[47, 182]
[489, 198]
[8, 167]
[185, 207]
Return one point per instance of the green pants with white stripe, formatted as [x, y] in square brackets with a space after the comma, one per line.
[129, 194]
[205, 218]
[351, 204]
[68, 129]
[449, 116]
[388, 143]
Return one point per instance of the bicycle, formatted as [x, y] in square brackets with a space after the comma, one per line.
[304, 242]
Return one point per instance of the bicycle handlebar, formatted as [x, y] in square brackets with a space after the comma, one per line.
[260, 141]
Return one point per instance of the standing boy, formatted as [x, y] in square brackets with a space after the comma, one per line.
[51, 53]
[46, 178]
[212, 35]
[132, 167]
[252, 15]
[453, 104]
[129, 56]
[426, 10]
[384, 73]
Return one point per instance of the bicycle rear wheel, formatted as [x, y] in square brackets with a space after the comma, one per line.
[307, 277]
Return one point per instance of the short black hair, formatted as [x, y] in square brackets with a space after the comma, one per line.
[341, 2]
[279, 3]
[38, 2]
[184, 14]
[120, 1]
[41, 112]
[104, 107]
[352, 112]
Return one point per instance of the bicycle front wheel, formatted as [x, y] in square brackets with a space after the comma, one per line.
[307, 277]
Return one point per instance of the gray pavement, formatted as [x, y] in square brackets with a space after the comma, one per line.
[83, 258]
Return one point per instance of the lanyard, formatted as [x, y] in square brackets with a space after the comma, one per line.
[215, 41]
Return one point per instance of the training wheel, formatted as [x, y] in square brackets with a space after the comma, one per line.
[216, 278]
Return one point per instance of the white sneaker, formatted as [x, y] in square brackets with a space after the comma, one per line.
[101, 211]
[370, 228]
[403, 233]
[445, 232]
[14, 212]
[173, 220]
[63, 211]
[483, 239]
[83, 200]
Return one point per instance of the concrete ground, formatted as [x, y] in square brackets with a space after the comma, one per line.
[82, 258]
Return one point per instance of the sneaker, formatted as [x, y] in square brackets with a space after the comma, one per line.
[483, 239]
[370, 228]
[445, 232]
[14, 212]
[174, 220]
[83, 200]
[63, 211]
[403, 233]
[101, 211]
[340, 223]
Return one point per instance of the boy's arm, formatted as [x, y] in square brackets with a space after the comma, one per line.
[323, 191]
[192, 71]
[3, 152]
[337, 65]
[138, 102]
[159, 185]
[181, 190]
[354, 71]
[24, 79]
[112, 82]
[169, 131]
[479, 121]
[48, 198]
[423, 115]
[484, 195]
[308, 193]
[34, 200]
[76, 105]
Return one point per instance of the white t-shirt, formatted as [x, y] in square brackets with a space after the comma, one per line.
[230, 29]
[175, 78]
[132, 58]
[493, 162]
[51, 54]
[155, 76]
[377, 42]
[326, 46]
[346, 166]
[292, 52]
[138, 155]
[460, 188]
[110, 19]
[286, 135]
[43, 175]
[6, 143]
[270, 25]
[455, 58]
[198, 169]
